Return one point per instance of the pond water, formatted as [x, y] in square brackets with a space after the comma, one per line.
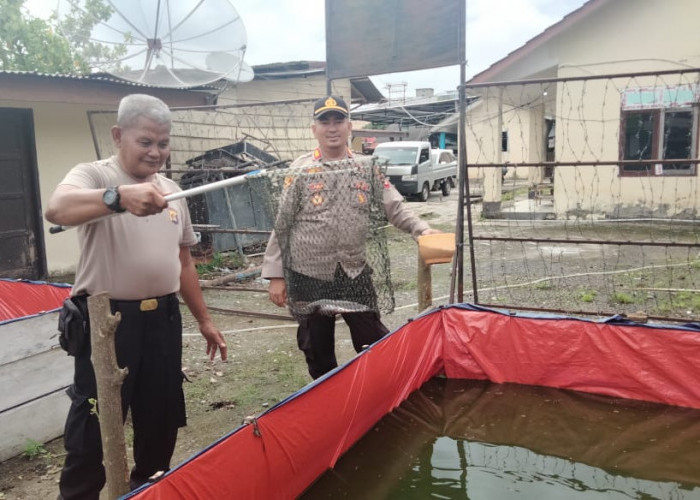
[467, 439]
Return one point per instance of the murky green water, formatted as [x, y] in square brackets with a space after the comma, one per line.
[466, 439]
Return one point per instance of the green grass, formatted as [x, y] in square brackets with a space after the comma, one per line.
[587, 295]
[404, 285]
[276, 374]
[687, 301]
[544, 285]
[622, 298]
[34, 449]
[515, 193]
[227, 260]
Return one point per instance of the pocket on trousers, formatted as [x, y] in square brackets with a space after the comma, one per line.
[72, 325]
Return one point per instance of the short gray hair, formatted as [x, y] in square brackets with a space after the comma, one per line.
[135, 106]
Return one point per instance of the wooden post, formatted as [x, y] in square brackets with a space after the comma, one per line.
[109, 378]
[424, 285]
[436, 248]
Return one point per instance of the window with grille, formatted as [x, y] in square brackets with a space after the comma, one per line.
[657, 125]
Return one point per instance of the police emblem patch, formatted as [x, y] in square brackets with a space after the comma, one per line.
[172, 213]
[317, 199]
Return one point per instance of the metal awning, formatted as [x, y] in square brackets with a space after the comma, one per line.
[424, 111]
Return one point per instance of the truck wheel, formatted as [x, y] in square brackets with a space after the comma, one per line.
[424, 193]
[446, 187]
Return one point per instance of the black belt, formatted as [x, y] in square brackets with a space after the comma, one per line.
[145, 304]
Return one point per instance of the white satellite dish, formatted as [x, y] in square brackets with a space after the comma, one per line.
[168, 43]
[222, 61]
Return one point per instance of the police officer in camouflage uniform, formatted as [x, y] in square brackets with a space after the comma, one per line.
[331, 263]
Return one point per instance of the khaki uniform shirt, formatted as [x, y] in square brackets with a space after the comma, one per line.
[330, 230]
[130, 257]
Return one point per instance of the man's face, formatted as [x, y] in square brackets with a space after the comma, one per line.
[143, 147]
[331, 131]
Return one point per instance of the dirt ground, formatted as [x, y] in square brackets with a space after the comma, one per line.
[265, 365]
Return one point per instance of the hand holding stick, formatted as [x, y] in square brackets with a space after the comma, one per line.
[233, 181]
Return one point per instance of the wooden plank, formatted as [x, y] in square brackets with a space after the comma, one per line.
[41, 420]
[32, 377]
[27, 337]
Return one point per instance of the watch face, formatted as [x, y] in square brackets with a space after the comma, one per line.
[110, 197]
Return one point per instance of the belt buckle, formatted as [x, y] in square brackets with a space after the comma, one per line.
[149, 305]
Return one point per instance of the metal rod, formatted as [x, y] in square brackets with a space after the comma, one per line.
[457, 280]
[94, 136]
[254, 314]
[583, 78]
[591, 242]
[233, 288]
[217, 107]
[229, 231]
[613, 163]
[172, 197]
[231, 213]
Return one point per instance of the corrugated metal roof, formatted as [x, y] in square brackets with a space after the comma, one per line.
[101, 77]
[98, 77]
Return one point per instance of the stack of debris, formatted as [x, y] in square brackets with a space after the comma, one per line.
[232, 218]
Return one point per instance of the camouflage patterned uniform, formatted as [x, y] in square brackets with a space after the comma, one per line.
[328, 214]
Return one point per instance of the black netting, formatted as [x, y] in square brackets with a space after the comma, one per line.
[329, 221]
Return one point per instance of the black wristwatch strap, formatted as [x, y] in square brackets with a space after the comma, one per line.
[112, 199]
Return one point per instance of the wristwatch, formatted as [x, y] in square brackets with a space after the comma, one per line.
[111, 199]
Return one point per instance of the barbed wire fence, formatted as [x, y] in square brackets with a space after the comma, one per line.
[598, 214]
[280, 128]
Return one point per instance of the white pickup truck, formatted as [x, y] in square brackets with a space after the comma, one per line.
[416, 169]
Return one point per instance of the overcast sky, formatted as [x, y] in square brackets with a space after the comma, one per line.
[494, 28]
[293, 30]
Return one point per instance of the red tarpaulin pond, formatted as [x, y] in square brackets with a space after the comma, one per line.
[34, 371]
[286, 448]
[19, 298]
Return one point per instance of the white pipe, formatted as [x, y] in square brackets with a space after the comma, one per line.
[205, 188]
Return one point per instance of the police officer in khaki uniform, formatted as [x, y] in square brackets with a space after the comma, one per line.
[141, 259]
[340, 260]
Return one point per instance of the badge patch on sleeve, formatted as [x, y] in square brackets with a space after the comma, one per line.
[172, 213]
[362, 185]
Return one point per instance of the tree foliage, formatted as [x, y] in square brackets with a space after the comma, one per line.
[28, 43]
[78, 24]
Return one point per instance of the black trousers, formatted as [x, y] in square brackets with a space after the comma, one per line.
[149, 344]
[316, 337]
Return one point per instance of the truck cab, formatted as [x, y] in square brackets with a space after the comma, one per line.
[416, 169]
